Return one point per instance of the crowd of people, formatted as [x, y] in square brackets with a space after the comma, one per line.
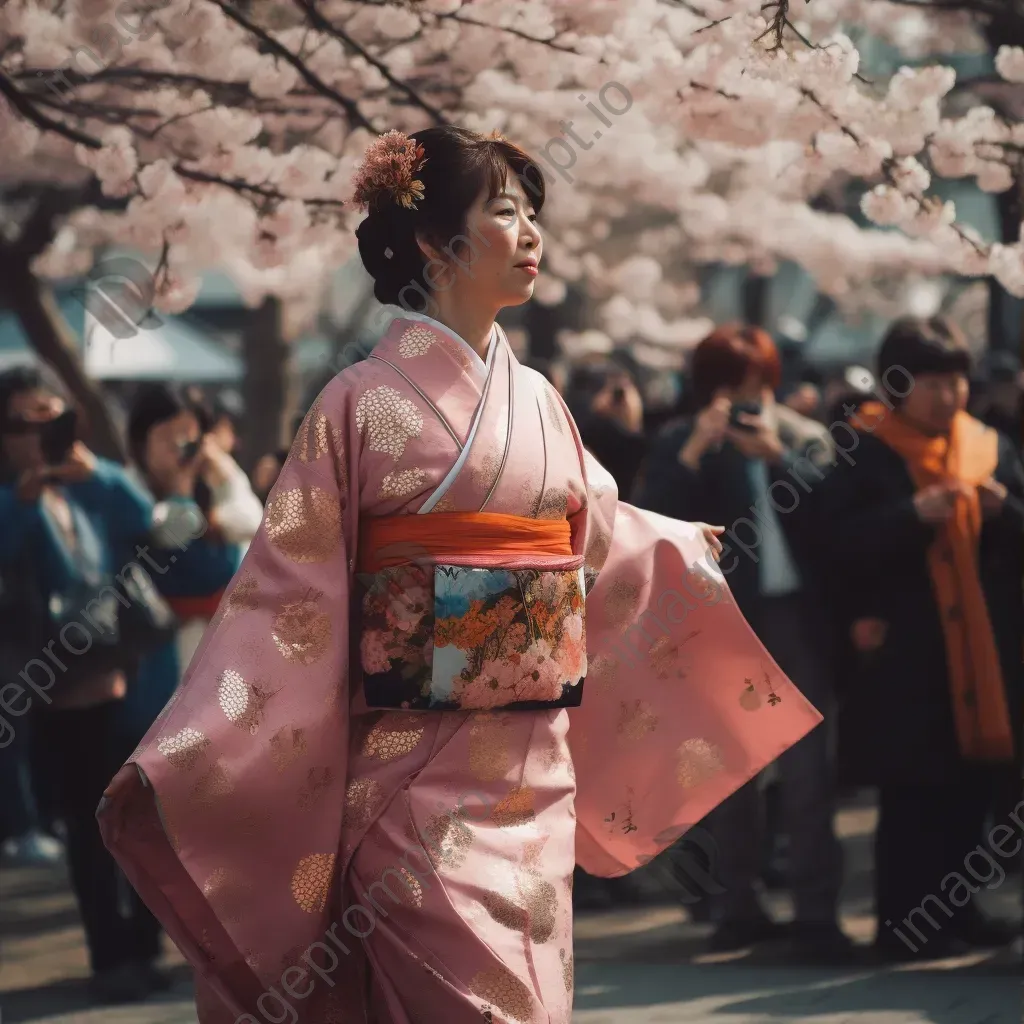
[873, 541]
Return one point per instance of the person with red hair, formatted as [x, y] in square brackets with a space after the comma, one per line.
[744, 460]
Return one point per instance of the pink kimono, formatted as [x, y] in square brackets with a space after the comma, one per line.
[321, 861]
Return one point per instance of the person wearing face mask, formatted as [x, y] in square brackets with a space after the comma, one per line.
[69, 521]
[738, 461]
[927, 524]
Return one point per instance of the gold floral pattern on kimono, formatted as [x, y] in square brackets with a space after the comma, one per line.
[669, 659]
[388, 420]
[311, 881]
[244, 704]
[302, 630]
[316, 435]
[498, 985]
[304, 523]
[698, 762]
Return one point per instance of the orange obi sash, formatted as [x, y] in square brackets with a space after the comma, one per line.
[187, 608]
[386, 541]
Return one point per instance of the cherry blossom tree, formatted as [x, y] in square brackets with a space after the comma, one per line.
[221, 133]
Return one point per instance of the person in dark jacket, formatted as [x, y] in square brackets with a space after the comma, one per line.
[747, 462]
[609, 413]
[997, 397]
[926, 528]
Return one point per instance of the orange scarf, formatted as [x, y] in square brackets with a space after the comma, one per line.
[968, 455]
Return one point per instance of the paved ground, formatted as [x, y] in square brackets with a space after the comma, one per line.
[641, 966]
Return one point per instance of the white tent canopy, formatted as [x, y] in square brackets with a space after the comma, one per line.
[171, 350]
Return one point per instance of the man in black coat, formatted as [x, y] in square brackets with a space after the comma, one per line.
[902, 724]
[754, 466]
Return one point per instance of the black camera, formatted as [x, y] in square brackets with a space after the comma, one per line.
[743, 409]
[57, 436]
[188, 450]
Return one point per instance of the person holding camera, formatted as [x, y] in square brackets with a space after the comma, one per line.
[206, 514]
[728, 464]
[609, 412]
[69, 521]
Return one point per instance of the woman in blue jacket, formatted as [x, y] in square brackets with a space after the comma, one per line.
[69, 523]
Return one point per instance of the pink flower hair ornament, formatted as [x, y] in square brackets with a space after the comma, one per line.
[389, 170]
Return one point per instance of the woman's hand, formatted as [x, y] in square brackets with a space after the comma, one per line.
[711, 535]
[992, 495]
[79, 465]
[712, 422]
[213, 464]
[934, 504]
[709, 430]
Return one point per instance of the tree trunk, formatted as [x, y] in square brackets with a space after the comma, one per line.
[269, 387]
[756, 293]
[51, 337]
[1003, 309]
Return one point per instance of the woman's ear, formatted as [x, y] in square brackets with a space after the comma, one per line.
[429, 250]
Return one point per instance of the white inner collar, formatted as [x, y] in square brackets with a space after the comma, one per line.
[480, 365]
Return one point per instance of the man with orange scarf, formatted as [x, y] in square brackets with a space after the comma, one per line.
[924, 521]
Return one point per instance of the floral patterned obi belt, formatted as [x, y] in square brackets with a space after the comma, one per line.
[470, 611]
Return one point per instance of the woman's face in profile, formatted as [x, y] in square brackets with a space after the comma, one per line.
[500, 261]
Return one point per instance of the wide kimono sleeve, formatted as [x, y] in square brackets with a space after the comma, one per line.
[227, 819]
[682, 703]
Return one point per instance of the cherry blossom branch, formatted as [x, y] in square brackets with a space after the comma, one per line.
[28, 109]
[777, 28]
[315, 82]
[777, 25]
[107, 112]
[888, 167]
[508, 30]
[700, 14]
[325, 25]
[233, 94]
[707, 88]
[111, 73]
[238, 185]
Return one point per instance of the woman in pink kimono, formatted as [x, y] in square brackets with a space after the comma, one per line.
[365, 802]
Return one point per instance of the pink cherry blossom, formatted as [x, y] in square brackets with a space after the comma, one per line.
[1010, 63]
[1006, 264]
[886, 205]
[724, 149]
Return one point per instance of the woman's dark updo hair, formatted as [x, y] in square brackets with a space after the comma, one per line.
[460, 164]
